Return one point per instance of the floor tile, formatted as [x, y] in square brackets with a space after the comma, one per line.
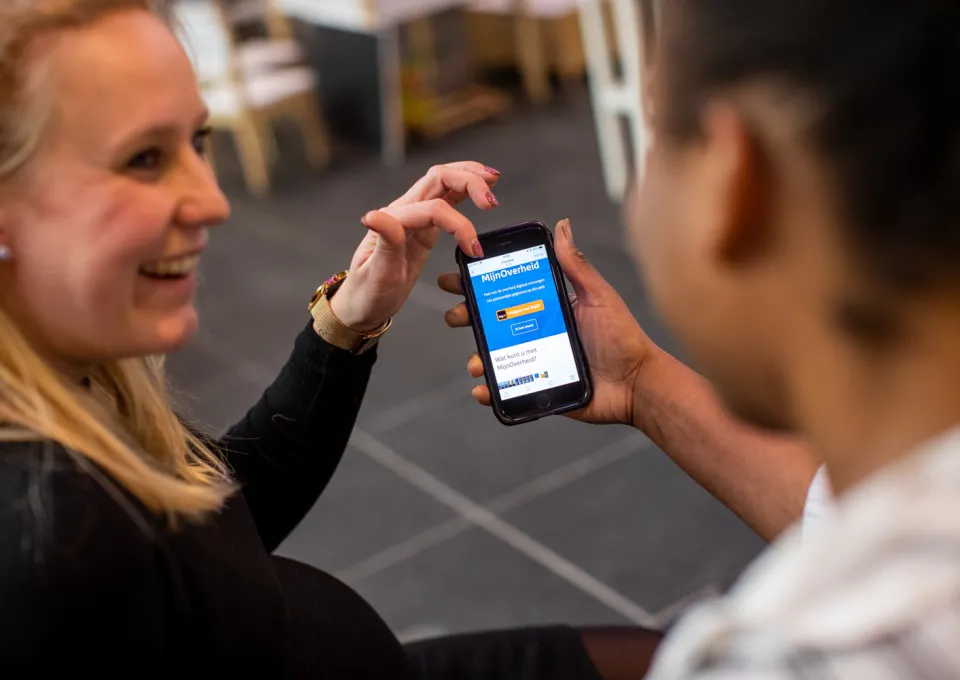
[194, 366]
[221, 403]
[463, 445]
[419, 354]
[475, 582]
[645, 528]
[365, 510]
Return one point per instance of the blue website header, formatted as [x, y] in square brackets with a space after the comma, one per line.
[503, 273]
[518, 304]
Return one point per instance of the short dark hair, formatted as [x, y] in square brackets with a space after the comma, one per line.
[885, 78]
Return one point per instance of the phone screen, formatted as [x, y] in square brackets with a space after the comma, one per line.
[522, 322]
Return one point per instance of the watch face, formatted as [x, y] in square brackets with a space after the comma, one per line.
[327, 288]
[333, 279]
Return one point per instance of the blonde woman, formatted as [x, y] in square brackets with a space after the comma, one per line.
[122, 534]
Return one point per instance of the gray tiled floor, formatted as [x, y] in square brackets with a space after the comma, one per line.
[579, 524]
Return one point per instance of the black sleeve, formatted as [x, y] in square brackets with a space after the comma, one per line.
[83, 584]
[287, 447]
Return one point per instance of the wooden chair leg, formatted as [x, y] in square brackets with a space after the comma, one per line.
[566, 47]
[532, 57]
[264, 125]
[313, 130]
[254, 155]
[210, 157]
[278, 25]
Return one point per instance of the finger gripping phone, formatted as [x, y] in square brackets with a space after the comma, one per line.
[524, 326]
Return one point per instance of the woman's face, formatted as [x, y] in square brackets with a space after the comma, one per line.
[107, 222]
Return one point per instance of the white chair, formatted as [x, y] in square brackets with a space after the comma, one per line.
[615, 98]
[247, 100]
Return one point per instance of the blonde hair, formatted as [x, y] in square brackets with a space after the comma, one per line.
[125, 423]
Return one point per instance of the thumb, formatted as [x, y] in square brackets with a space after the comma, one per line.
[587, 281]
[390, 230]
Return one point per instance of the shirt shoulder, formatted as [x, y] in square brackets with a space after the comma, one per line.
[925, 650]
[49, 494]
[873, 592]
[81, 563]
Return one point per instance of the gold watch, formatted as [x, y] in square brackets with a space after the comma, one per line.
[334, 331]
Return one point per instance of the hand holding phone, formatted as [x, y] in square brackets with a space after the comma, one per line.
[524, 326]
[618, 352]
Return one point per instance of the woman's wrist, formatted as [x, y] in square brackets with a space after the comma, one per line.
[344, 306]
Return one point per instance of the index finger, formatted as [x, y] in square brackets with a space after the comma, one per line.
[438, 213]
[462, 178]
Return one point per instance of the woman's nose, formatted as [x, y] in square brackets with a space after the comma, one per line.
[203, 203]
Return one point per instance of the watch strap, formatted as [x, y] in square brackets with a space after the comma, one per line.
[334, 331]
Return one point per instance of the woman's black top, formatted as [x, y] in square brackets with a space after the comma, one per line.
[90, 580]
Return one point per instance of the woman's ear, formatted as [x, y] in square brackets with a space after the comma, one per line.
[741, 175]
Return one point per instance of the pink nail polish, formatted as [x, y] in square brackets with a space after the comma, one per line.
[477, 250]
[493, 199]
[492, 171]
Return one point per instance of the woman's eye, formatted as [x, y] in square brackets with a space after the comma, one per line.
[200, 140]
[149, 159]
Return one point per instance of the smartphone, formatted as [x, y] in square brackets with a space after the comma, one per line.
[524, 326]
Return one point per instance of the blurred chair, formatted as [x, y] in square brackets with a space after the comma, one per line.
[619, 96]
[277, 48]
[246, 96]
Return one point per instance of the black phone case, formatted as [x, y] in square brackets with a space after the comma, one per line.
[572, 329]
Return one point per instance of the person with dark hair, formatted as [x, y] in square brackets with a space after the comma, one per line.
[798, 226]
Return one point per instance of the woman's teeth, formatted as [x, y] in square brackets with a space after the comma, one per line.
[172, 268]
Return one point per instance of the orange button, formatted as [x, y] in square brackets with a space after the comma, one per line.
[520, 310]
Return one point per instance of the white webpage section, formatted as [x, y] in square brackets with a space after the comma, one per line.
[534, 366]
[507, 261]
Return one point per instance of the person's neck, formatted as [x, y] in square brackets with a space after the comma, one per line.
[865, 413]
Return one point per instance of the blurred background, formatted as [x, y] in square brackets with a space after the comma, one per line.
[441, 517]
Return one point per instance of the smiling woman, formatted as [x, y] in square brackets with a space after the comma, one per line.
[87, 290]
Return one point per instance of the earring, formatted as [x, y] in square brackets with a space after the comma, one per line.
[5, 253]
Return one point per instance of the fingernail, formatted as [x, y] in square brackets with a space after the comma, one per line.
[477, 249]
[493, 199]
[567, 228]
[492, 171]
[364, 221]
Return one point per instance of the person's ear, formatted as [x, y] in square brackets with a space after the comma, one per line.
[741, 179]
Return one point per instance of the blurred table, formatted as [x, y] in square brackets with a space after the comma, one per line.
[382, 20]
[530, 44]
